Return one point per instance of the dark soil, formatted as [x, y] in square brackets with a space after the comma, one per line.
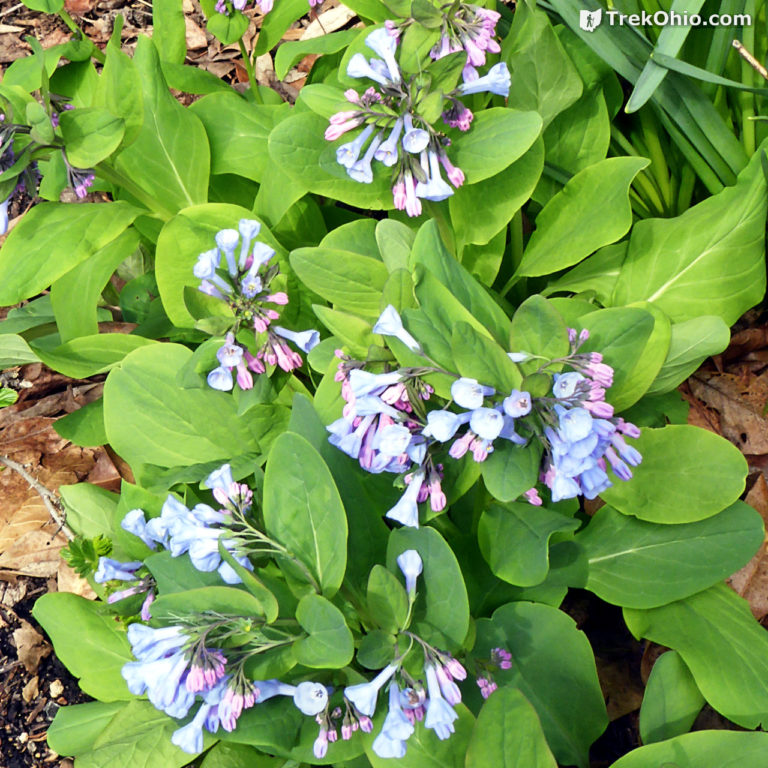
[29, 699]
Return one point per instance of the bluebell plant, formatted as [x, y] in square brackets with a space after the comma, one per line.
[394, 130]
[388, 427]
[240, 271]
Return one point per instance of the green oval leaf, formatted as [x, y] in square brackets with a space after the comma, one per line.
[687, 474]
[330, 643]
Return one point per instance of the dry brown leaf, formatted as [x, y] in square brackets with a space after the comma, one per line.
[31, 646]
[623, 693]
[264, 69]
[196, 38]
[67, 580]
[751, 582]
[328, 21]
[740, 405]
[104, 473]
[31, 690]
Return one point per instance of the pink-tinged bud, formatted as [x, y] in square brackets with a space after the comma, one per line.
[628, 429]
[259, 324]
[480, 449]
[572, 335]
[244, 378]
[437, 498]
[412, 203]
[599, 409]
[333, 132]
[281, 297]
[271, 314]
[332, 735]
[595, 357]
[366, 724]
[342, 117]
[461, 446]
[266, 5]
[346, 732]
[398, 194]
[455, 175]
[532, 497]
[583, 336]
[456, 669]
[253, 362]
[146, 614]
[352, 96]
[271, 358]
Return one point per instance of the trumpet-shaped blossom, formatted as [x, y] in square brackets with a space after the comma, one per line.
[411, 565]
[440, 714]
[496, 81]
[381, 42]
[110, 569]
[390, 324]
[364, 695]
[469, 393]
[406, 511]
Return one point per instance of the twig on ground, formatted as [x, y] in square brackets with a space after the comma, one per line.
[49, 498]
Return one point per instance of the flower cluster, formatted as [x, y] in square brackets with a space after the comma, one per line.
[395, 133]
[175, 665]
[386, 426]
[238, 271]
[26, 181]
[197, 531]
[468, 28]
[110, 570]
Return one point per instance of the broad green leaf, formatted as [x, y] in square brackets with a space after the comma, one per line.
[351, 281]
[170, 158]
[622, 335]
[299, 149]
[303, 511]
[88, 641]
[149, 419]
[395, 241]
[273, 726]
[686, 474]
[725, 749]
[710, 260]
[720, 642]
[358, 236]
[591, 211]
[691, 342]
[538, 329]
[227, 600]
[671, 702]
[177, 574]
[139, 736]
[290, 52]
[275, 23]
[498, 138]
[441, 615]
[648, 362]
[479, 211]
[376, 649]
[387, 600]
[366, 497]
[169, 30]
[119, 88]
[238, 756]
[508, 734]
[85, 426]
[90, 135]
[14, 350]
[76, 727]
[44, 6]
[329, 643]
[543, 76]
[514, 540]
[575, 139]
[181, 241]
[553, 666]
[228, 28]
[424, 749]
[510, 469]
[637, 564]
[478, 357]
[429, 250]
[74, 296]
[237, 132]
[90, 510]
[598, 272]
[89, 355]
[52, 239]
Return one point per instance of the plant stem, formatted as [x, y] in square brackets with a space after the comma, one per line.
[251, 75]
